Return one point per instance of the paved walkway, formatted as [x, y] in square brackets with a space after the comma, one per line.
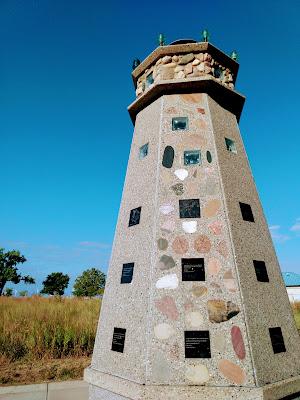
[70, 390]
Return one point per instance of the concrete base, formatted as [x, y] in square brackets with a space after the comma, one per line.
[109, 387]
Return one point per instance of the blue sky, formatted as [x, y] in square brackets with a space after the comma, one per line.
[65, 83]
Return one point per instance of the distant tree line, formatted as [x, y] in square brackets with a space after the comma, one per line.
[89, 284]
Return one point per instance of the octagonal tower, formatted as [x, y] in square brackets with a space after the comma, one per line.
[195, 305]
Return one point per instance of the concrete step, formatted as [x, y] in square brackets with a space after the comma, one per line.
[69, 390]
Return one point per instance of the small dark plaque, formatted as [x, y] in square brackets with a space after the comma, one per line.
[277, 340]
[189, 208]
[127, 273]
[246, 212]
[118, 340]
[261, 271]
[168, 157]
[197, 344]
[208, 156]
[193, 269]
[135, 216]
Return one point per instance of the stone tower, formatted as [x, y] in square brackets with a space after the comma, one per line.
[195, 306]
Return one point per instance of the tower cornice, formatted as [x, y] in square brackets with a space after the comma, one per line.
[227, 98]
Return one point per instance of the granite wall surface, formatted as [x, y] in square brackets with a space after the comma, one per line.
[158, 307]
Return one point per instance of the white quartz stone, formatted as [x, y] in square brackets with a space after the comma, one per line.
[167, 282]
[163, 331]
[181, 174]
[197, 374]
[189, 226]
[166, 209]
[194, 319]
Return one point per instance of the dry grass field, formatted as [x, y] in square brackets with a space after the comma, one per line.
[50, 339]
[296, 309]
[46, 339]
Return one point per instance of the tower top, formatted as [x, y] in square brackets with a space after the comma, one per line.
[187, 66]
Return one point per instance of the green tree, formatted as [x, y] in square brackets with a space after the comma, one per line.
[55, 283]
[23, 293]
[8, 292]
[8, 268]
[90, 283]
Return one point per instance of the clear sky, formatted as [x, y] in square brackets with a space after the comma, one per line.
[65, 83]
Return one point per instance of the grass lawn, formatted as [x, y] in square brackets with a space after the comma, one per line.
[46, 339]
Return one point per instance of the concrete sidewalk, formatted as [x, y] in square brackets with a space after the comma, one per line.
[70, 390]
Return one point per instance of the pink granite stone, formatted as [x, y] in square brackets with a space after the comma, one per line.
[166, 305]
[216, 227]
[229, 281]
[200, 124]
[180, 245]
[213, 266]
[222, 248]
[232, 372]
[238, 342]
[168, 225]
[202, 244]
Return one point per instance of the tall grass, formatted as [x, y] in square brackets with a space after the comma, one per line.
[36, 327]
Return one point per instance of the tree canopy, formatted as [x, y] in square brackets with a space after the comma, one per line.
[90, 283]
[55, 283]
[8, 268]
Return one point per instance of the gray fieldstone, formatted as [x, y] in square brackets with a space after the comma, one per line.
[186, 59]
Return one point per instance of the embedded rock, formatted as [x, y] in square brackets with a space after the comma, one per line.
[180, 245]
[221, 311]
[178, 189]
[163, 331]
[186, 59]
[166, 262]
[197, 374]
[167, 282]
[202, 244]
[238, 342]
[166, 305]
[232, 372]
[162, 244]
[194, 319]
[166, 59]
[188, 69]
[198, 290]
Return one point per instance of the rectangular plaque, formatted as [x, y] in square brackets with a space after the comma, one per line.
[277, 340]
[246, 212]
[118, 340]
[193, 269]
[135, 216]
[261, 271]
[127, 273]
[189, 208]
[197, 344]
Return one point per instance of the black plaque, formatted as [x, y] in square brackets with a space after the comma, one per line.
[261, 271]
[135, 216]
[118, 340]
[277, 340]
[193, 269]
[197, 344]
[246, 212]
[127, 273]
[189, 208]
[168, 157]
